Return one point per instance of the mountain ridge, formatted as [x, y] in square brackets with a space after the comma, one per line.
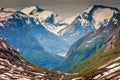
[19, 29]
[14, 67]
[87, 45]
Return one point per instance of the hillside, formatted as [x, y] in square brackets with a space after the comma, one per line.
[14, 67]
[87, 45]
[109, 52]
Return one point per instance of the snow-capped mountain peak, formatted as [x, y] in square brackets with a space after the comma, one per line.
[90, 19]
[99, 15]
[35, 11]
[31, 10]
[8, 13]
[8, 9]
[49, 19]
[69, 20]
[89, 9]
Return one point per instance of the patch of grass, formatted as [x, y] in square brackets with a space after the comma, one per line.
[99, 58]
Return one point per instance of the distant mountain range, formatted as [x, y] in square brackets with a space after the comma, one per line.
[50, 20]
[26, 34]
[87, 43]
[73, 28]
[47, 37]
[91, 19]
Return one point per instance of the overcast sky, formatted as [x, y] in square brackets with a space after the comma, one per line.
[64, 8]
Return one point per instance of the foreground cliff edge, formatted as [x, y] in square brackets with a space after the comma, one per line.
[14, 67]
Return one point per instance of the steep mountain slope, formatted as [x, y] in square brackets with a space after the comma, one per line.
[15, 67]
[76, 30]
[91, 19]
[21, 31]
[48, 39]
[104, 56]
[50, 20]
[87, 45]
[111, 71]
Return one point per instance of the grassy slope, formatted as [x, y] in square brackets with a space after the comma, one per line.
[99, 58]
[110, 51]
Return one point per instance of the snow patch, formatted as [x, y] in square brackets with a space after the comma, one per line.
[4, 77]
[89, 41]
[109, 63]
[18, 49]
[23, 79]
[27, 10]
[4, 45]
[6, 61]
[79, 78]
[100, 15]
[88, 9]
[2, 67]
[83, 22]
[113, 65]
[96, 77]
[111, 71]
[61, 54]
[70, 19]
[42, 16]
[1, 25]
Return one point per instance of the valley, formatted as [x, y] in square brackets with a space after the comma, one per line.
[38, 44]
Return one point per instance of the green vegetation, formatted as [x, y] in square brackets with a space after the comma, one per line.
[99, 58]
[85, 47]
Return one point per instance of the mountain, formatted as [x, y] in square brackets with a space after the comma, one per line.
[91, 19]
[25, 33]
[105, 62]
[87, 45]
[50, 20]
[14, 67]
[48, 39]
